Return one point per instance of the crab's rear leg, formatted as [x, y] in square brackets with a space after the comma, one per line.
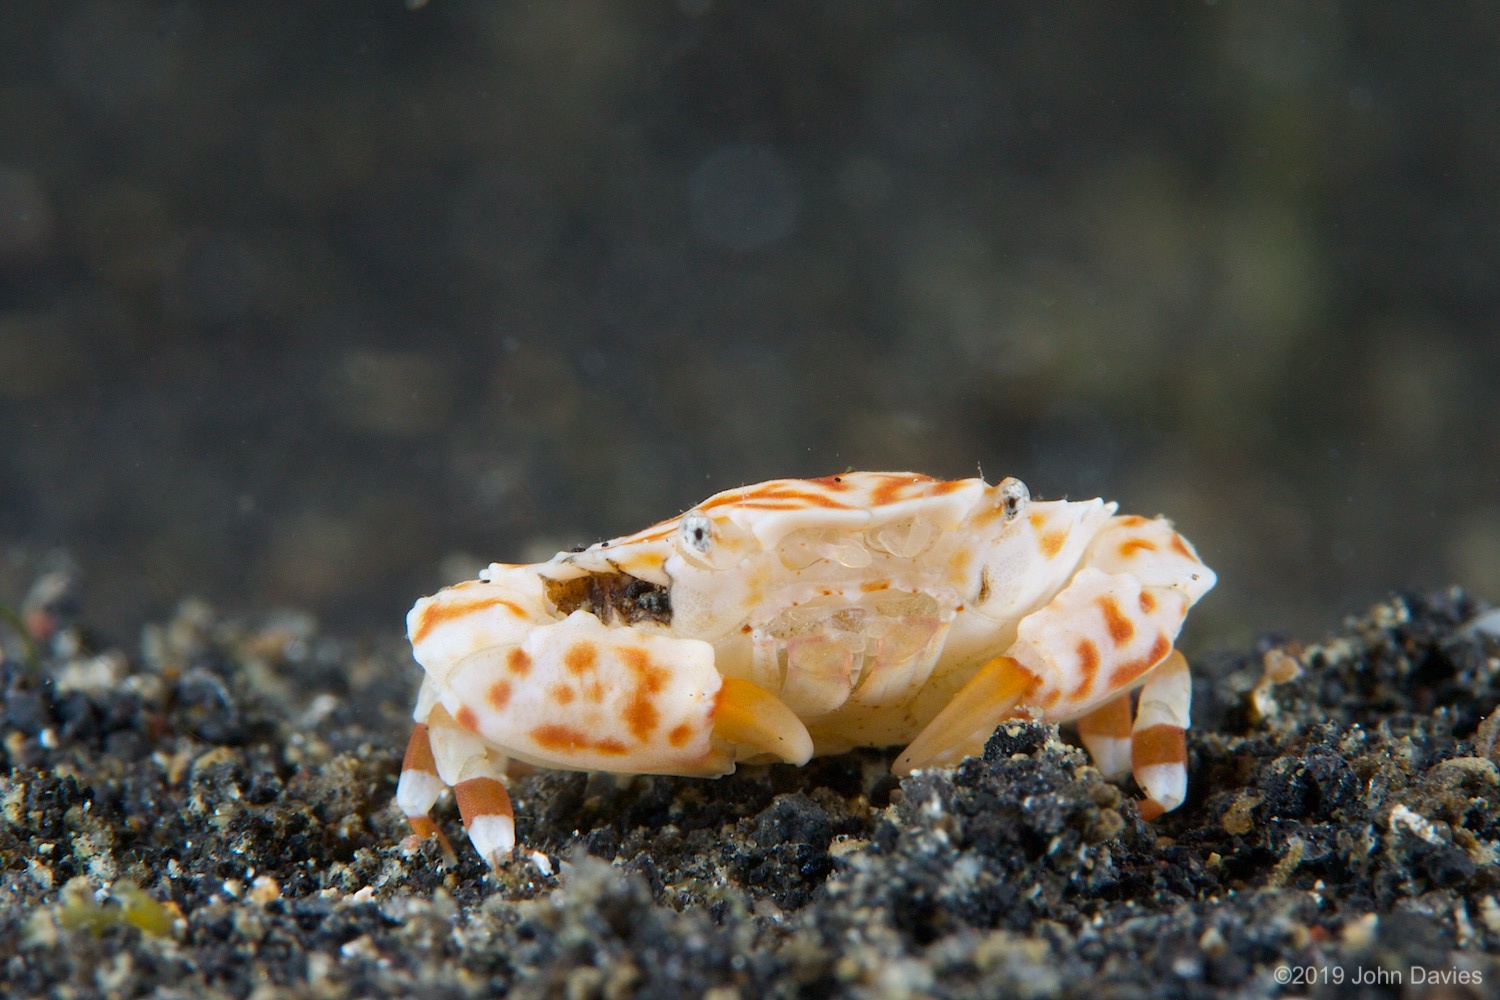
[1158, 740]
[1106, 735]
[419, 787]
[1154, 747]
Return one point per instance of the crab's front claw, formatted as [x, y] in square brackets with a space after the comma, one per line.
[747, 715]
[966, 722]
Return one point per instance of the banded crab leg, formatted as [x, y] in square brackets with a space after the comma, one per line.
[418, 790]
[443, 754]
[1110, 630]
[1106, 736]
[1158, 740]
[1154, 747]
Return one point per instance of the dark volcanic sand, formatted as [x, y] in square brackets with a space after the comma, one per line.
[212, 817]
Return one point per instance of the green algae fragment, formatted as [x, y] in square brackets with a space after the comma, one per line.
[136, 908]
[144, 912]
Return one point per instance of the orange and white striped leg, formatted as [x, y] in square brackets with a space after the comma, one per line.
[419, 787]
[475, 774]
[1106, 734]
[1158, 741]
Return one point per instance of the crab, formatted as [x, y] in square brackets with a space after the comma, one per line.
[808, 616]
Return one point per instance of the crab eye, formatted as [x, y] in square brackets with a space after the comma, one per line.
[698, 532]
[1013, 498]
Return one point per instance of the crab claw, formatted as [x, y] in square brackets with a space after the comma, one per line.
[961, 728]
[749, 715]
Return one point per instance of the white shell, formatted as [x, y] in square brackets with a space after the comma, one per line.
[863, 601]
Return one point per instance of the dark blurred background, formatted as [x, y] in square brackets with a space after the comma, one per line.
[322, 304]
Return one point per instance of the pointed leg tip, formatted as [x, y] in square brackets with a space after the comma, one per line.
[1151, 810]
[423, 829]
[494, 839]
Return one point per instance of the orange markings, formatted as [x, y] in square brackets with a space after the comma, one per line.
[467, 719]
[438, 612]
[1158, 744]
[1125, 673]
[680, 734]
[989, 513]
[834, 483]
[1051, 542]
[945, 487]
[641, 714]
[1180, 547]
[419, 752]
[1120, 628]
[1148, 603]
[563, 694]
[1088, 666]
[569, 740]
[594, 692]
[793, 504]
[581, 657]
[1150, 809]
[1050, 698]
[423, 826]
[1110, 719]
[1038, 521]
[498, 695]
[658, 531]
[745, 628]
[773, 496]
[478, 797]
[1132, 521]
[893, 488]
[650, 676]
[518, 660]
[870, 586]
[1131, 546]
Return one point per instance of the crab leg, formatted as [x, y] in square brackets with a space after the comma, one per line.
[961, 728]
[419, 787]
[748, 714]
[463, 761]
[1106, 734]
[1158, 742]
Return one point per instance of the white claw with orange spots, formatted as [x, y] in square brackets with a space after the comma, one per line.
[808, 616]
